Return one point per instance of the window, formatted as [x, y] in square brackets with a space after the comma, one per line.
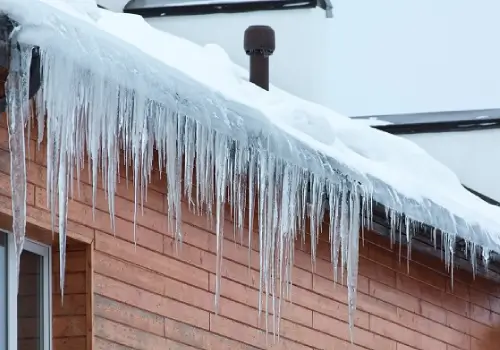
[156, 8]
[25, 319]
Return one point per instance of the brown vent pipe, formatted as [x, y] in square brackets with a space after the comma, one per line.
[259, 44]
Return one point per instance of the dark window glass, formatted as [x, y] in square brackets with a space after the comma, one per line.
[3, 290]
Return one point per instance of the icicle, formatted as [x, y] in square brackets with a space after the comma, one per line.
[220, 197]
[353, 255]
[204, 162]
[408, 226]
[473, 257]
[486, 257]
[18, 112]
[251, 200]
[63, 205]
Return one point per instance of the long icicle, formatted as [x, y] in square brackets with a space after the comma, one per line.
[17, 110]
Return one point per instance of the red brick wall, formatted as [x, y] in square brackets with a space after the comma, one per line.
[150, 297]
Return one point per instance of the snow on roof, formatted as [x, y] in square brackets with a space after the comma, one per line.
[111, 81]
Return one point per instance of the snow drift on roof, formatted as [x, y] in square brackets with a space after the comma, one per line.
[111, 83]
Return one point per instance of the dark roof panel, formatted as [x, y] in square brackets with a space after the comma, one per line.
[432, 122]
[157, 8]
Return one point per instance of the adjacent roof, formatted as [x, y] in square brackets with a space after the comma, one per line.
[157, 8]
[128, 86]
[415, 123]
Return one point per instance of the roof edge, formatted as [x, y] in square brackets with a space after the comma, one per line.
[438, 127]
[482, 196]
[221, 7]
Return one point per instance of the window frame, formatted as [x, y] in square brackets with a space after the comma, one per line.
[44, 251]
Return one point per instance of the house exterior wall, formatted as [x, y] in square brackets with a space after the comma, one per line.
[149, 296]
[469, 154]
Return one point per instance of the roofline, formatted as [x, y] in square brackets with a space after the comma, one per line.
[231, 7]
[434, 122]
[482, 196]
[437, 127]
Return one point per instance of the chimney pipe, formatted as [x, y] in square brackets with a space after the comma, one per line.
[259, 44]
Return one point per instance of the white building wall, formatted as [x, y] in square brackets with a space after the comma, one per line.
[472, 155]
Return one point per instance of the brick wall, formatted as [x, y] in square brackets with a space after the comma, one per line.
[147, 296]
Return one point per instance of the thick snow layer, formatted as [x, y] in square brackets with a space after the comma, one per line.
[111, 81]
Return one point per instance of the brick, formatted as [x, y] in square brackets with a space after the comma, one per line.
[124, 190]
[36, 174]
[147, 301]
[201, 339]
[232, 251]
[328, 306]
[129, 315]
[377, 272]
[40, 220]
[404, 335]
[98, 219]
[5, 189]
[249, 335]
[103, 344]
[432, 312]
[153, 219]
[494, 303]
[314, 338]
[207, 240]
[360, 336]
[207, 261]
[458, 322]
[249, 296]
[432, 295]
[483, 315]
[463, 291]
[433, 329]
[394, 296]
[365, 303]
[151, 260]
[134, 338]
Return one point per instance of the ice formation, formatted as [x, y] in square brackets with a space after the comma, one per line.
[112, 85]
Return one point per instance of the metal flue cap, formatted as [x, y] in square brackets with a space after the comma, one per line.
[259, 40]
